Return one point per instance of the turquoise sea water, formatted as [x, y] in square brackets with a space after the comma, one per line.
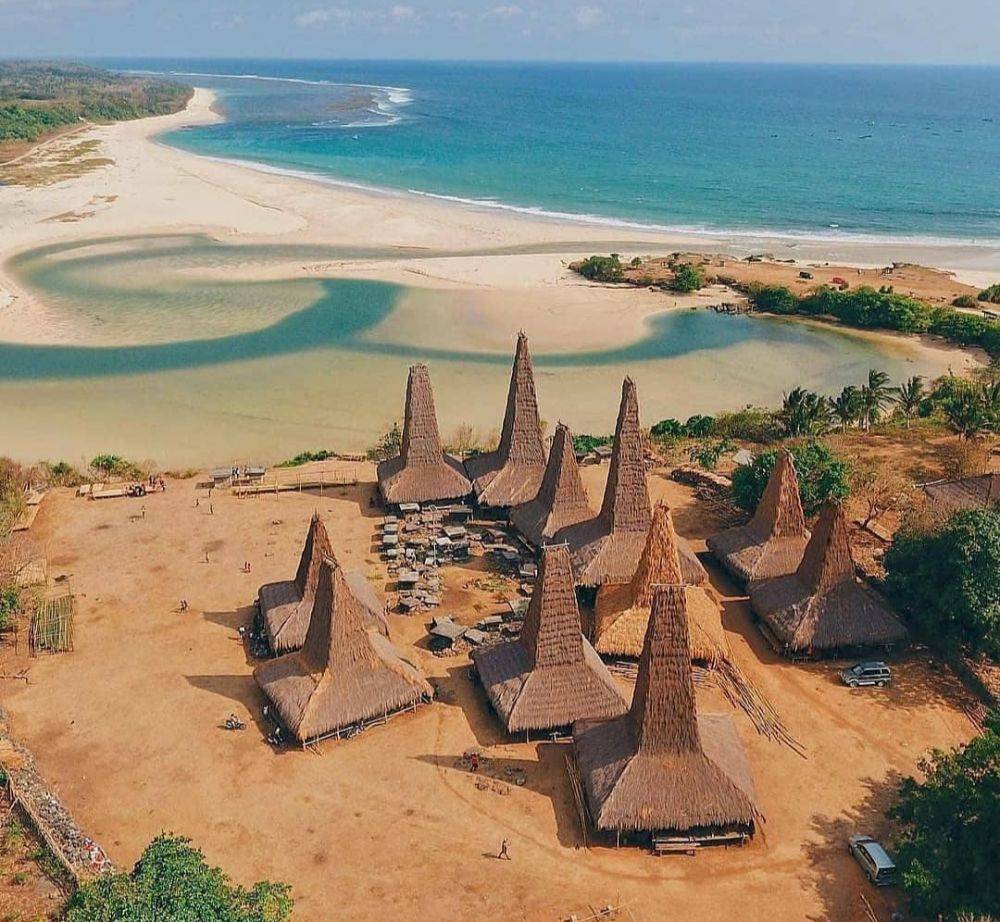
[895, 152]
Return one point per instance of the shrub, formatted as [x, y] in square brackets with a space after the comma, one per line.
[699, 426]
[10, 605]
[584, 443]
[751, 424]
[668, 429]
[602, 268]
[991, 294]
[388, 446]
[172, 882]
[304, 457]
[948, 581]
[113, 465]
[775, 299]
[949, 835]
[821, 475]
[687, 277]
[707, 454]
[964, 301]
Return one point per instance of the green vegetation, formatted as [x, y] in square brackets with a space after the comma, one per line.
[10, 605]
[172, 882]
[804, 413]
[304, 457]
[950, 830]
[821, 475]
[687, 277]
[946, 577]
[40, 97]
[991, 294]
[964, 301]
[388, 445]
[115, 466]
[602, 268]
[584, 443]
[707, 454]
[870, 309]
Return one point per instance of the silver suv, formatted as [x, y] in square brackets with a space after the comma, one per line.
[879, 868]
[869, 673]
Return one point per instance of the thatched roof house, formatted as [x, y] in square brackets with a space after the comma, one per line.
[772, 543]
[286, 606]
[661, 767]
[606, 547]
[550, 676]
[822, 607]
[621, 613]
[561, 499]
[969, 493]
[513, 473]
[421, 472]
[344, 673]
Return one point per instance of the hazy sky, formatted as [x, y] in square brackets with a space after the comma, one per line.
[955, 31]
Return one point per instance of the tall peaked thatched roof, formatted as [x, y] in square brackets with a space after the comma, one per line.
[344, 673]
[606, 548]
[773, 542]
[561, 499]
[421, 472]
[513, 473]
[550, 676]
[621, 613]
[660, 766]
[822, 606]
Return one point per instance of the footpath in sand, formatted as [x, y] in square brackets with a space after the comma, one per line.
[389, 824]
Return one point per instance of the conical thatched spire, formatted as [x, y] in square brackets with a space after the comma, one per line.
[513, 473]
[606, 548]
[561, 498]
[822, 607]
[621, 612]
[661, 767]
[421, 473]
[550, 676]
[773, 542]
[344, 673]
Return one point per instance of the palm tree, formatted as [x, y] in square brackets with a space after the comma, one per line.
[804, 412]
[909, 395]
[966, 413]
[847, 407]
[875, 395]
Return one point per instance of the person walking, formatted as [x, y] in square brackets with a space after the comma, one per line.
[504, 854]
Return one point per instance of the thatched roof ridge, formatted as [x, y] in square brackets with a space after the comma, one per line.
[606, 548]
[422, 472]
[622, 611]
[561, 499]
[773, 542]
[550, 676]
[822, 606]
[344, 673]
[660, 767]
[513, 473]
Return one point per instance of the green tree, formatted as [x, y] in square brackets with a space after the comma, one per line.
[875, 396]
[775, 299]
[667, 429]
[804, 413]
[687, 277]
[966, 412]
[991, 294]
[172, 882]
[821, 476]
[948, 580]
[949, 839]
[602, 268]
[909, 395]
[847, 407]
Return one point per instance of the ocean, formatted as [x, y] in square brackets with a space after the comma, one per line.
[891, 153]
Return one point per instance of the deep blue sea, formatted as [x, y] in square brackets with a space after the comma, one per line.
[898, 152]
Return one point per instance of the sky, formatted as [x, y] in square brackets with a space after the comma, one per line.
[869, 31]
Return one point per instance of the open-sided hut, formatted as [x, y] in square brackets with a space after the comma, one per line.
[513, 473]
[772, 543]
[421, 472]
[661, 769]
[561, 499]
[344, 674]
[550, 676]
[822, 607]
[286, 606]
[621, 613]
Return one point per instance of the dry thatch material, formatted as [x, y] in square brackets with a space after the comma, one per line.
[422, 472]
[821, 606]
[660, 767]
[969, 493]
[513, 473]
[622, 611]
[774, 540]
[286, 607]
[606, 548]
[561, 499]
[550, 676]
[344, 673]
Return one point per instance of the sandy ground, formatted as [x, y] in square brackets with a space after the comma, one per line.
[128, 728]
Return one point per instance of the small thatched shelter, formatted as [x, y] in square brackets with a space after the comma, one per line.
[621, 613]
[948, 496]
[421, 472]
[561, 499]
[513, 473]
[661, 768]
[822, 607]
[772, 543]
[550, 676]
[286, 606]
[344, 674]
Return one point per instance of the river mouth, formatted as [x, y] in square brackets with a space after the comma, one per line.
[193, 351]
